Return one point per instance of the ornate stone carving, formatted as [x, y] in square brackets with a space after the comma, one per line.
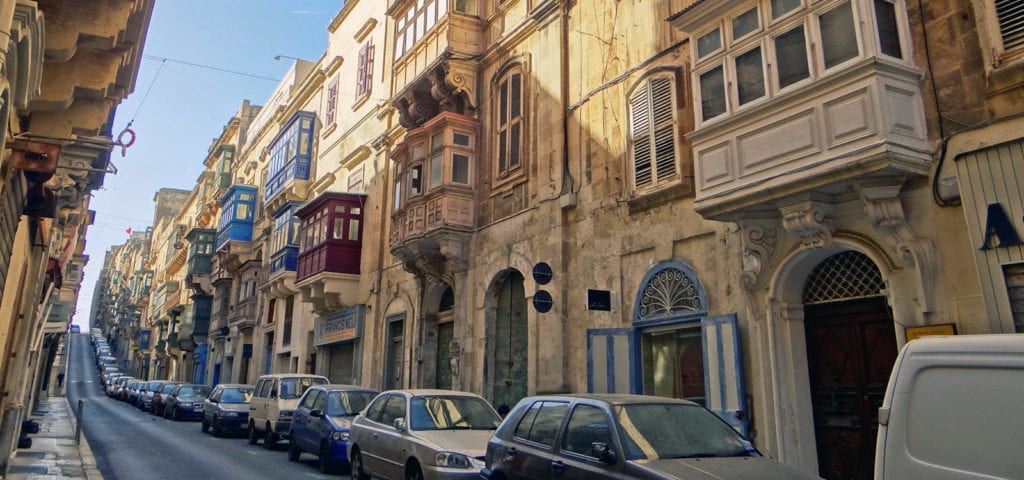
[810, 220]
[884, 209]
[415, 107]
[461, 77]
[759, 244]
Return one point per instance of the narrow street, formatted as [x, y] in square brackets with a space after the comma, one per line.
[130, 444]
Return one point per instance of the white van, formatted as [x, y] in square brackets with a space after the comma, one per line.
[273, 404]
[954, 409]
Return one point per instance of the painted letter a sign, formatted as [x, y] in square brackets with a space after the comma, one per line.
[998, 225]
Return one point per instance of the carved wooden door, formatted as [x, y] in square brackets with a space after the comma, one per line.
[851, 348]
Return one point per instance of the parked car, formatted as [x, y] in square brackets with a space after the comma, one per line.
[406, 434]
[321, 423]
[145, 402]
[185, 402]
[226, 410]
[273, 404]
[952, 409]
[159, 396]
[598, 436]
[132, 394]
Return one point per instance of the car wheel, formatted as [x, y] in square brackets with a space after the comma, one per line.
[217, 430]
[269, 439]
[205, 427]
[357, 465]
[293, 451]
[175, 415]
[324, 460]
[253, 439]
[413, 472]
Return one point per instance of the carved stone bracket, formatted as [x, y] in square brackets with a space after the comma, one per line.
[810, 220]
[884, 209]
[461, 75]
[415, 107]
[759, 243]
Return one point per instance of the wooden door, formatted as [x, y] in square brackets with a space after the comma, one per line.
[510, 343]
[443, 369]
[851, 348]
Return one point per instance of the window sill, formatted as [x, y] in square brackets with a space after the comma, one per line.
[361, 100]
[328, 129]
[649, 199]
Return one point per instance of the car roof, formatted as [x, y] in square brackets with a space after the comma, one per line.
[991, 343]
[290, 375]
[610, 398]
[339, 387]
[234, 385]
[423, 392]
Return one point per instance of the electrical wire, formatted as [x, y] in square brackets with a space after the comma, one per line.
[208, 67]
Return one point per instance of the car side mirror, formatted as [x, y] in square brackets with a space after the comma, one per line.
[316, 413]
[400, 424]
[602, 452]
[214, 400]
[273, 393]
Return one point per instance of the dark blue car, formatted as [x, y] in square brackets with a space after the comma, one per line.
[321, 423]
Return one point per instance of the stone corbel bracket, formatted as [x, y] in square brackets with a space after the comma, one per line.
[809, 220]
[759, 246]
[460, 76]
[884, 209]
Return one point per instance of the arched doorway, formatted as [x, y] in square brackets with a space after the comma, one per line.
[510, 341]
[445, 336]
[851, 347]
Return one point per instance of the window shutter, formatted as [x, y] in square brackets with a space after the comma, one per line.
[640, 132]
[723, 373]
[368, 72]
[610, 354]
[1011, 23]
[664, 133]
[361, 76]
[516, 119]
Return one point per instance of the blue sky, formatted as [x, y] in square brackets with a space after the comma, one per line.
[177, 109]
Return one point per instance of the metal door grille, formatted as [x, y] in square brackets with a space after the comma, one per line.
[843, 276]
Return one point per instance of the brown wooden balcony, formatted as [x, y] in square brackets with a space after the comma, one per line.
[330, 250]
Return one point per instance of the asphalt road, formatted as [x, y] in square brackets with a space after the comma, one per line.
[130, 444]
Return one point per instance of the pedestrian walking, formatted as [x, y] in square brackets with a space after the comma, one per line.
[60, 379]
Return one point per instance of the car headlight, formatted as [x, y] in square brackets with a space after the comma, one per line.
[339, 436]
[285, 415]
[231, 414]
[452, 460]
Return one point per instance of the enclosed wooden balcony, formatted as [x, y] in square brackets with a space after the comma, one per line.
[807, 103]
[330, 250]
[435, 197]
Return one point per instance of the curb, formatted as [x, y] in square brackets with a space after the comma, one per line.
[92, 471]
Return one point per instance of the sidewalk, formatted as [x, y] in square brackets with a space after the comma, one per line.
[53, 453]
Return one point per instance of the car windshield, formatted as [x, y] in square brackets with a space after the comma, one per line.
[347, 403]
[194, 391]
[673, 430]
[452, 413]
[236, 395]
[294, 387]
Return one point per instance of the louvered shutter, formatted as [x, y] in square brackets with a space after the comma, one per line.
[1011, 22]
[516, 121]
[723, 372]
[664, 129]
[640, 128]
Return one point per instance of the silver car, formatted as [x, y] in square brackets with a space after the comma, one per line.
[421, 434]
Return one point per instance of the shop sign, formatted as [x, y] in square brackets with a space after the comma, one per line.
[999, 231]
[346, 325]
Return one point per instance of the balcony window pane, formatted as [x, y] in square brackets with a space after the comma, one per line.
[791, 57]
[460, 169]
[745, 23]
[460, 139]
[750, 76]
[339, 229]
[416, 180]
[888, 29]
[356, 211]
[353, 229]
[709, 42]
[712, 93]
[398, 195]
[838, 37]
[435, 170]
[339, 209]
[418, 151]
[242, 212]
[442, 7]
[781, 7]
[465, 6]
[437, 141]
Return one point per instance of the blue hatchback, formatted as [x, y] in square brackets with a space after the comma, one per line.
[321, 423]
